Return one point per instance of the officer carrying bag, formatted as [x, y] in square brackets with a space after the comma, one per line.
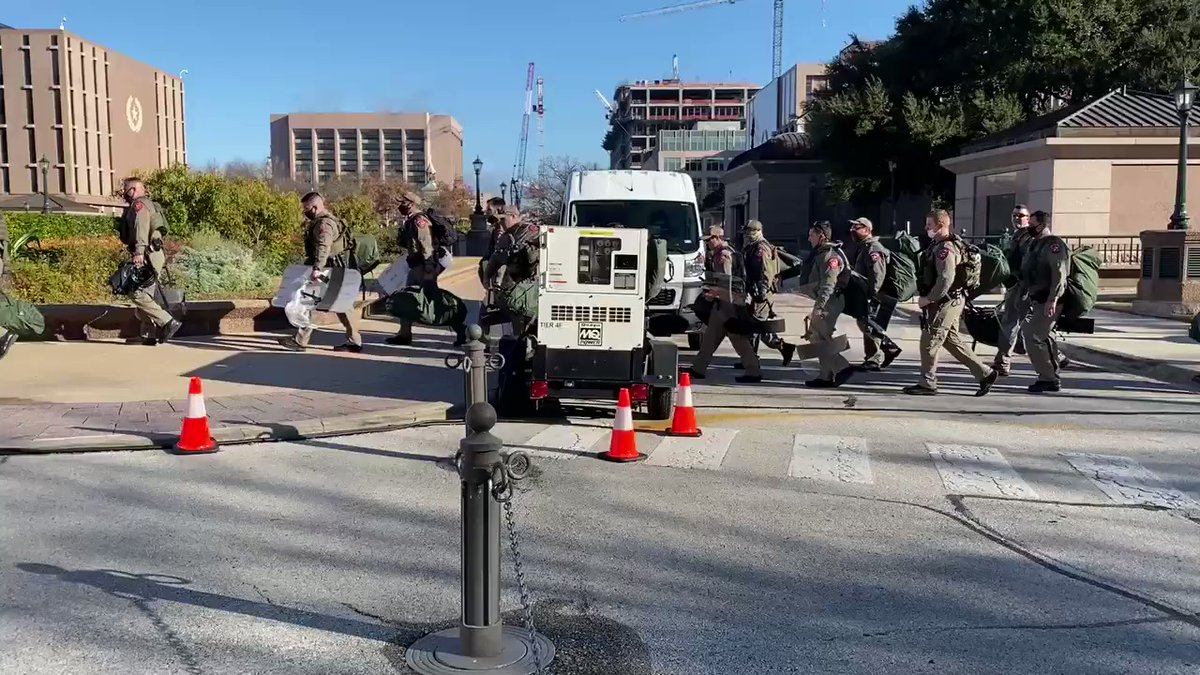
[968, 273]
[900, 282]
[427, 306]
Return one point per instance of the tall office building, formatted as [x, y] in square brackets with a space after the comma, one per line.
[413, 147]
[779, 107]
[94, 116]
[643, 109]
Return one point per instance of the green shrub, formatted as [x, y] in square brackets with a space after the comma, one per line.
[68, 271]
[59, 226]
[212, 267]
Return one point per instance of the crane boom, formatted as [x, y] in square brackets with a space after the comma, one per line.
[776, 28]
[518, 177]
[700, 4]
[541, 123]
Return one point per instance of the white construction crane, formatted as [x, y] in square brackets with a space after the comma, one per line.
[541, 123]
[776, 33]
[517, 183]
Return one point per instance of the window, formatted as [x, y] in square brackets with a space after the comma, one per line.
[29, 106]
[414, 157]
[675, 222]
[672, 163]
[55, 75]
[370, 152]
[32, 147]
[712, 165]
[348, 150]
[393, 152]
[711, 185]
[28, 66]
[693, 165]
[999, 212]
[57, 107]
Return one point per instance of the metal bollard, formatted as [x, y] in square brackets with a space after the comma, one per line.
[475, 363]
[481, 642]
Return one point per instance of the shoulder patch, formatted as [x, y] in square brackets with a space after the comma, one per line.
[876, 256]
[834, 263]
[422, 221]
[533, 229]
[943, 253]
[1055, 248]
[139, 205]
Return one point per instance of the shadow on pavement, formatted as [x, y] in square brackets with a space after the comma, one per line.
[586, 643]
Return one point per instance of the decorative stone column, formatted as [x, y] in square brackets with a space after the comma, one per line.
[1170, 282]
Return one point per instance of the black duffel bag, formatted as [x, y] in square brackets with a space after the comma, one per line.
[129, 278]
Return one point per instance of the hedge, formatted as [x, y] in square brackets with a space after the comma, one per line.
[68, 271]
[59, 226]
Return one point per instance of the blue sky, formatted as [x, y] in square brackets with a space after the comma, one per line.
[247, 59]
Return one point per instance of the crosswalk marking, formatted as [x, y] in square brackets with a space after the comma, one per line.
[1124, 480]
[563, 442]
[831, 458]
[705, 452]
[977, 470]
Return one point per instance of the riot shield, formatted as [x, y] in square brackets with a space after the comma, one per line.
[336, 292]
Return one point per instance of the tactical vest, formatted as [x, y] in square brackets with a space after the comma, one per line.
[337, 249]
[523, 260]
[770, 262]
[158, 224]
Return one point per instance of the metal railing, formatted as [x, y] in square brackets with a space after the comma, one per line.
[1116, 252]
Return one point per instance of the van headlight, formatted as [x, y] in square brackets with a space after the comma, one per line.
[695, 266]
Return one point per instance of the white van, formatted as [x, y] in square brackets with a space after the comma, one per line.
[663, 202]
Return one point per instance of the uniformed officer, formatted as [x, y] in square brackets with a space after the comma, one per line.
[941, 302]
[515, 258]
[6, 338]
[415, 241]
[324, 246]
[720, 261]
[827, 272]
[142, 229]
[871, 261]
[1044, 270]
[1014, 309]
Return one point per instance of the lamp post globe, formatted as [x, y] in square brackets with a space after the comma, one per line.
[478, 165]
[1185, 100]
[45, 166]
[504, 191]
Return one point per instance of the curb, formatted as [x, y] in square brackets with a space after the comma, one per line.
[383, 420]
[1154, 369]
[1141, 366]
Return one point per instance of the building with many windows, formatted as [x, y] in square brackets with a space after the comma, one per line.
[703, 152]
[645, 108]
[778, 108]
[417, 148]
[94, 116]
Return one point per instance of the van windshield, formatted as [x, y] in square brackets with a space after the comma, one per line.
[674, 222]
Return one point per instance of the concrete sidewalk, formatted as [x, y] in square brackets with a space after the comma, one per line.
[57, 396]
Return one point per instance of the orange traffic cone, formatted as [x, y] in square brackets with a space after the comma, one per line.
[195, 438]
[623, 447]
[684, 421]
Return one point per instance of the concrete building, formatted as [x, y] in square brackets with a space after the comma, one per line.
[778, 108]
[415, 147]
[643, 109]
[95, 115]
[1103, 169]
[703, 153]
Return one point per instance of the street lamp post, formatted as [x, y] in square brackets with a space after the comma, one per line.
[503, 191]
[892, 173]
[478, 164]
[45, 165]
[1185, 97]
[516, 192]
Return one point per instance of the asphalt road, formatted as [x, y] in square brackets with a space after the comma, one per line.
[804, 532]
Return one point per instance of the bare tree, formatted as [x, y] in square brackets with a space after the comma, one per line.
[542, 199]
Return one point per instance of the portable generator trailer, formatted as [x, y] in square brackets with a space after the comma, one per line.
[590, 338]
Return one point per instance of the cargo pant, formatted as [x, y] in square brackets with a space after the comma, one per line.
[145, 303]
[1038, 344]
[424, 274]
[942, 330]
[715, 333]
[820, 334]
[1014, 315]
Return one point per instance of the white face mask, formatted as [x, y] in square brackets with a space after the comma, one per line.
[932, 234]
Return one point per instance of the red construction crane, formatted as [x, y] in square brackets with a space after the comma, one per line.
[517, 183]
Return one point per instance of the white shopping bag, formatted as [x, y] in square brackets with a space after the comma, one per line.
[337, 291]
[299, 309]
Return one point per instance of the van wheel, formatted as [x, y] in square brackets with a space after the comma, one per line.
[693, 340]
[661, 404]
